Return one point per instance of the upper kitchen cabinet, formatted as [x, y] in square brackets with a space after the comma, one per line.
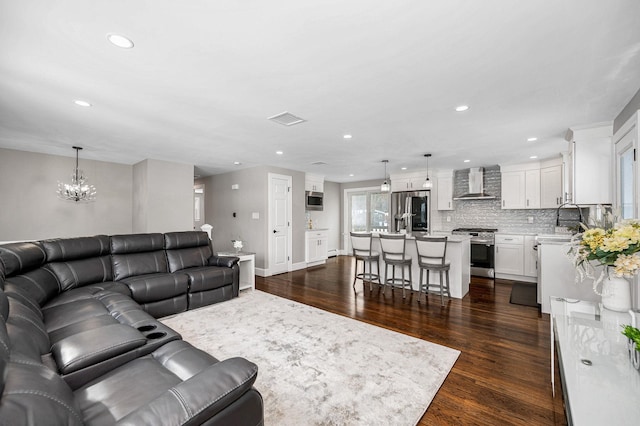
[551, 188]
[407, 182]
[445, 190]
[314, 183]
[589, 165]
[520, 186]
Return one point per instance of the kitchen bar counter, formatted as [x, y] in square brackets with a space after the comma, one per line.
[458, 254]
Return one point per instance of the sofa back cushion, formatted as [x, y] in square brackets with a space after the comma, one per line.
[79, 261]
[187, 249]
[34, 288]
[67, 249]
[21, 257]
[137, 254]
[136, 243]
[78, 273]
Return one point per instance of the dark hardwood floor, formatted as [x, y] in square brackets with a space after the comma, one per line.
[503, 373]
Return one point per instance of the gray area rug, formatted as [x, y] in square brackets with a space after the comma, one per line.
[319, 368]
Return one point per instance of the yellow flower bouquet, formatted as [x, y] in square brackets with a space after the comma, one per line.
[617, 248]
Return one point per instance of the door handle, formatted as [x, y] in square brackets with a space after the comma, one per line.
[274, 231]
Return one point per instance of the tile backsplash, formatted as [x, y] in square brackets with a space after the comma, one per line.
[489, 214]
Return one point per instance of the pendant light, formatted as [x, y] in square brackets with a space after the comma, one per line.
[427, 183]
[78, 189]
[385, 187]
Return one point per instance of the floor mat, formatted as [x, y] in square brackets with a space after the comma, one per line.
[524, 294]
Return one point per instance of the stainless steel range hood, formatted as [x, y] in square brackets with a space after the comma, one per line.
[476, 186]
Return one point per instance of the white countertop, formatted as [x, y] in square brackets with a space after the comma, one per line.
[450, 238]
[316, 229]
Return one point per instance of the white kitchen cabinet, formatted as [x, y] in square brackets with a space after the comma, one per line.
[414, 183]
[530, 256]
[313, 182]
[316, 243]
[591, 156]
[509, 254]
[532, 189]
[408, 181]
[513, 184]
[558, 276]
[521, 187]
[551, 187]
[445, 192]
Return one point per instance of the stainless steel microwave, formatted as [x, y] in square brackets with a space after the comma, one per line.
[313, 200]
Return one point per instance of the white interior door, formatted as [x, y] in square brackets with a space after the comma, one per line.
[279, 223]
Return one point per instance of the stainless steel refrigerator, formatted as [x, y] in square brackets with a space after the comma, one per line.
[410, 210]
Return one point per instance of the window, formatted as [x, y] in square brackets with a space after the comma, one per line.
[369, 211]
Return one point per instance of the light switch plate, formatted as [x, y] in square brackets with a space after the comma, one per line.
[255, 215]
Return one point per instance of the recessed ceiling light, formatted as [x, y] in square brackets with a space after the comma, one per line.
[532, 139]
[403, 168]
[237, 163]
[82, 103]
[347, 136]
[279, 152]
[351, 175]
[120, 41]
[461, 108]
[467, 161]
[533, 157]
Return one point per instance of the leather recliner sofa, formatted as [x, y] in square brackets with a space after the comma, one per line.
[80, 344]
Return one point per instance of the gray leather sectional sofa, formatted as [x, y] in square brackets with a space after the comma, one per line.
[80, 342]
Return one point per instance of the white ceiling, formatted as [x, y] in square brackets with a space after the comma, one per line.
[205, 75]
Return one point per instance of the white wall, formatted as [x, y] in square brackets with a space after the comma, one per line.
[163, 196]
[31, 210]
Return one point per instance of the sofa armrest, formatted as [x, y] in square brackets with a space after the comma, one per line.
[227, 261]
[96, 345]
[199, 398]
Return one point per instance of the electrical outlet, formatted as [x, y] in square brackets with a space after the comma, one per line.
[530, 219]
[448, 218]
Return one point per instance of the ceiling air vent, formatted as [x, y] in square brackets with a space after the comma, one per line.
[318, 163]
[286, 119]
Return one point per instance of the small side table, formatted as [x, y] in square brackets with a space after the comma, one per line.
[247, 266]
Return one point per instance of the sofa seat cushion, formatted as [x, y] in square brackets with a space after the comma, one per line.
[208, 278]
[36, 395]
[153, 287]
[116, 394]
[88, 292]
[90, 347]
[76, 311]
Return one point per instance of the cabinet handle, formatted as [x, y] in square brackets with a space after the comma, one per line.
[527, 203]
[502, 203]
[449, 204]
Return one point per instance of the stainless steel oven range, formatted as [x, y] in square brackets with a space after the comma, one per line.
[482, 250]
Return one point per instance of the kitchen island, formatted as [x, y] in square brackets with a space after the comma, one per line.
[458, 254]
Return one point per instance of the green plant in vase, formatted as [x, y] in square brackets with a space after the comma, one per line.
[632, 334]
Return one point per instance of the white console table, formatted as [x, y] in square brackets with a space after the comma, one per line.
[247, 266]
[599, 384]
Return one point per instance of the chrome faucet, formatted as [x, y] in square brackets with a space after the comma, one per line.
[568, 204]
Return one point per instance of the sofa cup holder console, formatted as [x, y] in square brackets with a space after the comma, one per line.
[146, 328]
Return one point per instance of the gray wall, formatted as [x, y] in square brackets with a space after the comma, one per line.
[31, 209]
[627, 112]
[251, 197]
[163, 196]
